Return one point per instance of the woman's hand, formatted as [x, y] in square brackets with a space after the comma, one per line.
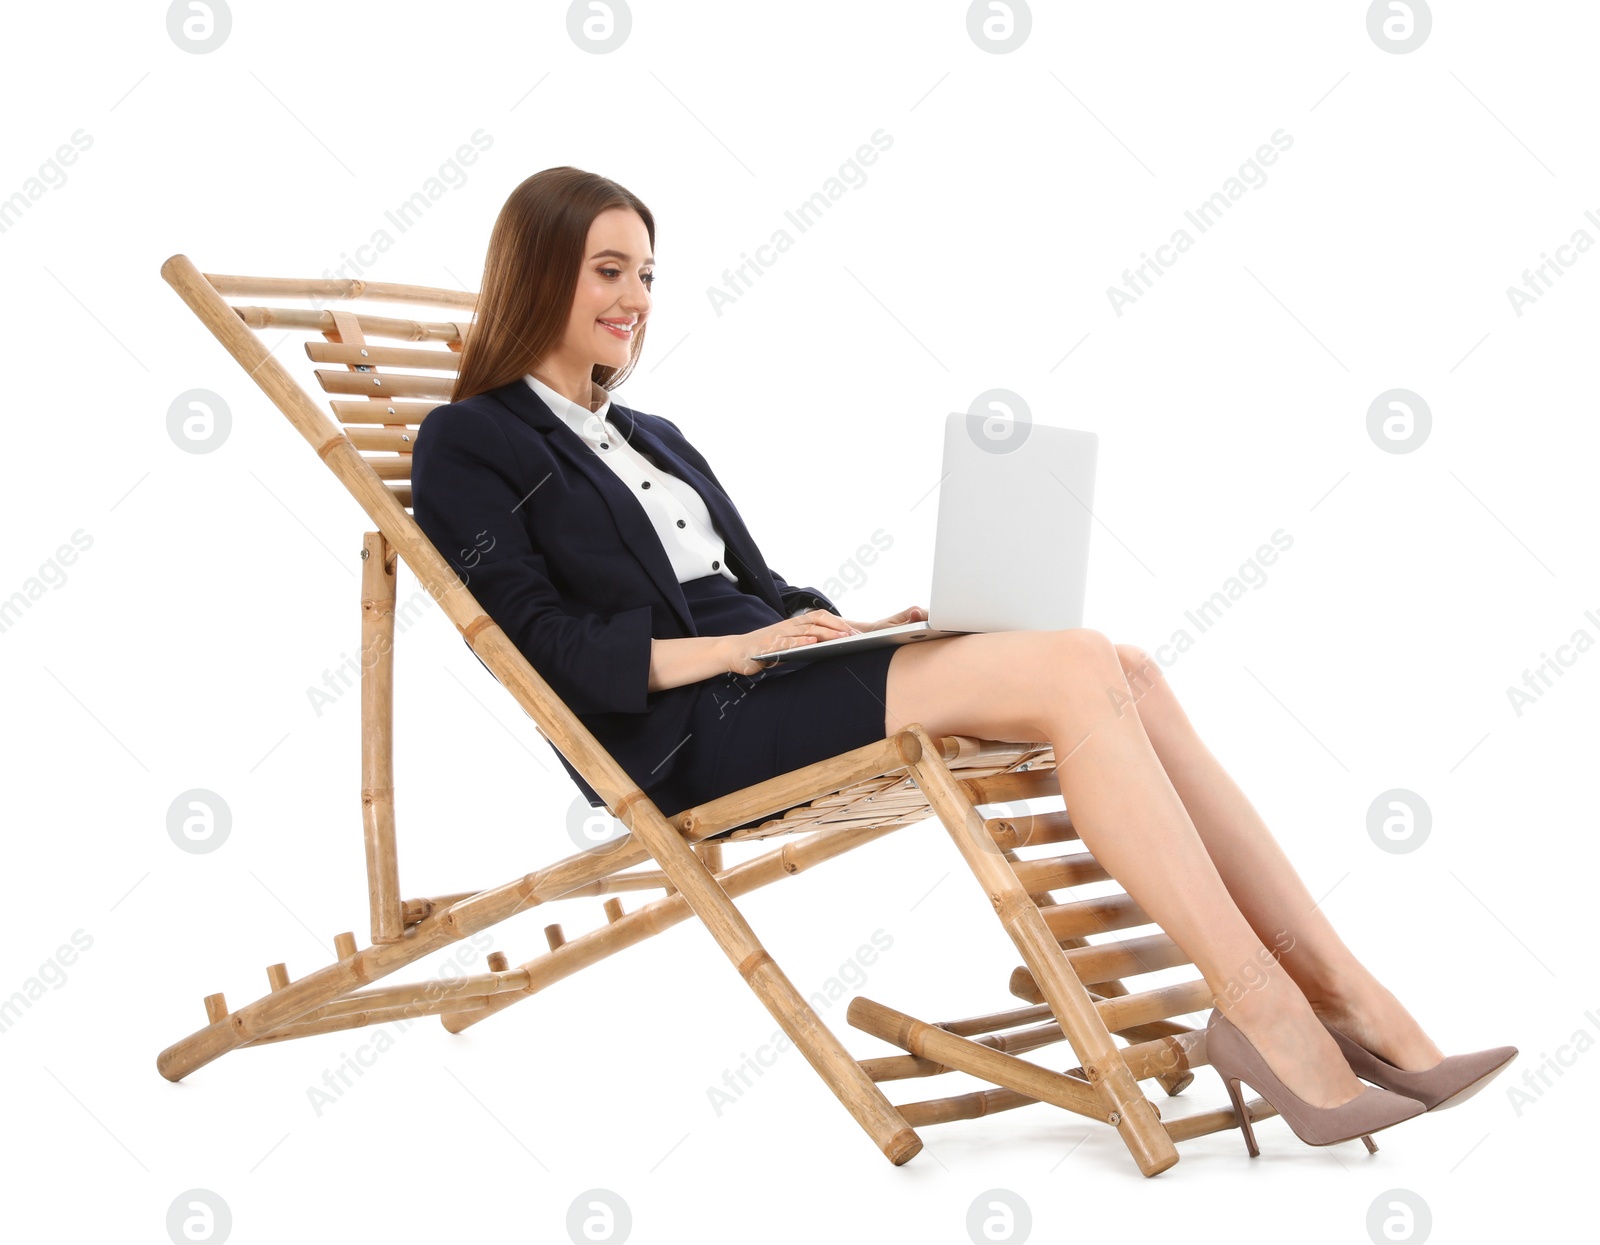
[811, 627]
[914, 613]
[808, 628]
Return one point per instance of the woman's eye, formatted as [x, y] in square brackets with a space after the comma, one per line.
[649, 278]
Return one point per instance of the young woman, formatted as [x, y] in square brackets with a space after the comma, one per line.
[603, 545]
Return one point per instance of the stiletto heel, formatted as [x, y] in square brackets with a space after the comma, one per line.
[1448, 1083]
[1242, 1116]
[1236, 1059]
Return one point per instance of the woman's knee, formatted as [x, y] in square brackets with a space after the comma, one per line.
[1143, 674]
[1142, 670]
[1078, 652]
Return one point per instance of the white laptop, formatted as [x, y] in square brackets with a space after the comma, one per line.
[1011, 551]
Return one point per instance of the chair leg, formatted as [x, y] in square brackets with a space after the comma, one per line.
[1136, 1118]
[377, 737]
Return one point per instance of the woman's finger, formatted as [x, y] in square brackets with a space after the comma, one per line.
[836, 629]
[829, 618]
[832, 626]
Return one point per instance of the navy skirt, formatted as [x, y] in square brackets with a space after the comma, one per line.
[747, 728]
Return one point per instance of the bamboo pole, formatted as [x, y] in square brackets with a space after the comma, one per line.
[974, 1025]
[1058, 872]
[326, 289]
[377, 738]
[1201, 1123]
[903, 1067]
[1012, 786]
[363, 411]
[978, 1059]
[1032, 829]
[710, 854]
[1024, 987]
[641, 880]
[1161, 1058]
[1111, 961]
[1138, 1009]
[1157, 1059]
[356, 1020]
[990, 1101]
[417, 909]
[1097, 915]
[387, 385]
[423, 357]
[476, 986]
[393, 327]
[410, 1001]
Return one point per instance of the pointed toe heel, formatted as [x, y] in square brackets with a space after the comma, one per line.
[1236, 1060]
[1448, 1083]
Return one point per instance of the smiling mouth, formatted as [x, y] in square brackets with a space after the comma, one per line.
[625, 334]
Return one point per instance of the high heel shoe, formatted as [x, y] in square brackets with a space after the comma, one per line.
[1448, 1083]
[1236, 1059]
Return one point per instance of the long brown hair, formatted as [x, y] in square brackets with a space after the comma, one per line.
[531, 274]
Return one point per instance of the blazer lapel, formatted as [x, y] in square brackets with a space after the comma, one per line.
[628, 514]
[739, 546]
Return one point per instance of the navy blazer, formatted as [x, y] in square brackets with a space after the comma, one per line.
[560, 554]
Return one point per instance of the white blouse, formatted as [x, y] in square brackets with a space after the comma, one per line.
[675, 509]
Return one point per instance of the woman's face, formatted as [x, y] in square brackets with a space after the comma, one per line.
[613, 293]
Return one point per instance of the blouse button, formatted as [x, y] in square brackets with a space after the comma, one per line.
[715, 565]
[645, 484]
[604, 446]
[680, 523]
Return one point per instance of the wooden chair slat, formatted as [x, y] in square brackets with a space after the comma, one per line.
[396, 328]
[322, 289]
[1051, 873]
[396, 468]
[386, 384]
[385, 412]
[1093, 916]
[388, 440]
[384, 356]
[1129, 957]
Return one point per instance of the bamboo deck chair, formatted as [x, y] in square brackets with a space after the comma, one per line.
[1074, 988]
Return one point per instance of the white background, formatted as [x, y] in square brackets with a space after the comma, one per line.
[1231, 401]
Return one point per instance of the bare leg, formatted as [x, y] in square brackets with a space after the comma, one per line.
[1068, 687]
[1263, 883]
